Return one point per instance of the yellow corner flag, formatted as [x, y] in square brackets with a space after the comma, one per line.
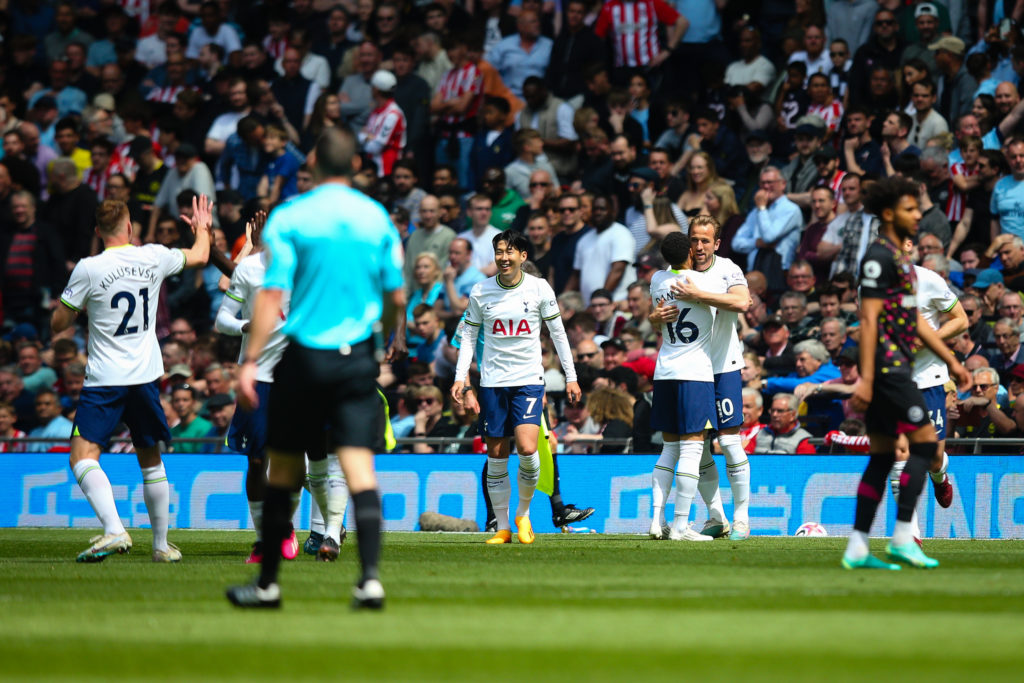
[546, 483]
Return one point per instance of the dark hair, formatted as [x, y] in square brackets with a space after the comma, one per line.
[907, 164]
[927, 82]
[707, 114]
[799, 66]
[334, 151]
[886, 194]
[66, 123]
[675, 248]
[513, 239]
[106, 144]
[623, 375]
[499, 103]
[406, 164]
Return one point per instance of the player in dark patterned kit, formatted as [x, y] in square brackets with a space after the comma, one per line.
[890, 332]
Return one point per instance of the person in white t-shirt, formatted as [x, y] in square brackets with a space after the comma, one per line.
[604, 256]
[683, 408]
[119, 290]
[941, 309]
[213, 29]
[510, 308]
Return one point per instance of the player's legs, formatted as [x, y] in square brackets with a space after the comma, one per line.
[707, 486]
[529, 473]
[499, 486]
[728, 408]
[284, 475]
[687, 474]
[896, 473]
[869, 495]
[923, 447]
[337, 501]
[157, 494]
[661, 483]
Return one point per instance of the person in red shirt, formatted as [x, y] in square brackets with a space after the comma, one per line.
[633, 26]
[384, 134]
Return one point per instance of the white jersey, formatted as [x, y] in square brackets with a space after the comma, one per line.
[510, 319]
[685, 343]
[120, 291]
[246, 281]
[727, 349]
[934, 297]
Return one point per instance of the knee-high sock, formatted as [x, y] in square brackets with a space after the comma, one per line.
[737, 469]
[316, 520]
[661, 478]
[894, 484]
[687, 476]
[500, 488]
[368, 520]
[96, 487]
[708, 484]
[276, 525]
[256, 512]
[869, 495]
[255, 491]
[556, 486]
[157, 494]
[316, 480]
[337, 499]
[487, 492]
[911, 483]
[529, 474]
[939, 476]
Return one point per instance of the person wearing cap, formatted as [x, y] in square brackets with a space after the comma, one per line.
[189, 173]
[383, 136]
[926, 22]
[988, 283]
[778, 356]
[220, 408]
[752, 69]
[956, 85]
[647, 264]
[613, 353]
[801, 173]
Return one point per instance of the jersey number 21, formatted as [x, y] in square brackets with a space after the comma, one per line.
[115, 302]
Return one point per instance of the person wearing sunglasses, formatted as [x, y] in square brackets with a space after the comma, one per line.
[883, 48]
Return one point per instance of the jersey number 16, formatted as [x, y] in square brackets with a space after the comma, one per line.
[682, 331]
[115, 302]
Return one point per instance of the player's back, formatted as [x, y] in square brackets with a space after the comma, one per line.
[726, 347]
[934, 297]
[120, 291]
[246, 282]
[686, 343]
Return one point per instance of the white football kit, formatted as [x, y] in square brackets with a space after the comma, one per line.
[511, 318]
[120, 290]
[246, 282]
[934, 297]
[726, 347]
[686, 343]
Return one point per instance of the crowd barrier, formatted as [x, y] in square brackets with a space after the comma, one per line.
[207, 492]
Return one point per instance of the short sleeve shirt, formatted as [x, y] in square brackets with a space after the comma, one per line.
[886, 273]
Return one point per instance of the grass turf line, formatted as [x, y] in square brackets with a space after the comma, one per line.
[595, 607]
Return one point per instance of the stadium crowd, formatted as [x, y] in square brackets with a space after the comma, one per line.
[594, 128]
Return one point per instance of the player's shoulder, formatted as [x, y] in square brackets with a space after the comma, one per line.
[878, 252]
[725, 265]
[661, 277]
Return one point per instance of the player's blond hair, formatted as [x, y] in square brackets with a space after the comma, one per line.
[110, 216]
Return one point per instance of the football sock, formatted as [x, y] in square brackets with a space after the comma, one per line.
[911, 483]
[487, 493]
[708, 484]
[96, 487]
[337, 499]
[256, 512]
[737, 469]
[275, 528]
[556, 486]
[157, 494]
[939, 476]
[687, 475]
[912, 479]
[296, 498]
[661, 478]
[316, 478]
[316, 520]
[857, 547]
[871, 489]
[500, 488]
[529, 473]
[894, 483]
[368, 520]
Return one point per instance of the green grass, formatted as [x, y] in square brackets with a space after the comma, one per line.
[569, 608]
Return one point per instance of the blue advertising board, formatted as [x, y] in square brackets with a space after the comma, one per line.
[208, 492]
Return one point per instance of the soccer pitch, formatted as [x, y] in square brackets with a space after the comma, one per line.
[568, 608]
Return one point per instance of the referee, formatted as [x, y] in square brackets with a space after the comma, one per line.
[337, 255]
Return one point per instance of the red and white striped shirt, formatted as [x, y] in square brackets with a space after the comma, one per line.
[955, 200]
[456, 83]
[635, 28]
[960, 168]
[836, 185]
[831, 113]
[384, 136]
[275, 48]
[8, 447]
[97, 180]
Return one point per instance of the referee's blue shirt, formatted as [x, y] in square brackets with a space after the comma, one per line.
[338, 253]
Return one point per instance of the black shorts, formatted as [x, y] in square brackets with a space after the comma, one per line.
[314, 388]
[897, 406]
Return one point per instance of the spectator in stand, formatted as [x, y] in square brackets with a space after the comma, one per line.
[753, 408]
[784, 435]
[189, 173]
[213, 29]
[604, 257]
[34, 375]
[243, 164]
[430, 236]
[459, 277]
[297, 94]
[492, 144]
[430, 420]
[801, 173]
[956, 85]
[281, 179]
[313, 67]
[822, 213]
[1007, 353]
[814, 54]
[752, 69]
[927, 121]
[525, 54]
[190, 426]
[609, 321]
[779, 358]
[530, 157]
[505, 202]
[8, 431]
[220, 408]
[574, 48]
[52, 425]
[481, 233]
[849, 234]
[722, 145]
[770, 234]
[456, 102]
[633, 26]
[384, 137]
[700, 175]
[1008, 193]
